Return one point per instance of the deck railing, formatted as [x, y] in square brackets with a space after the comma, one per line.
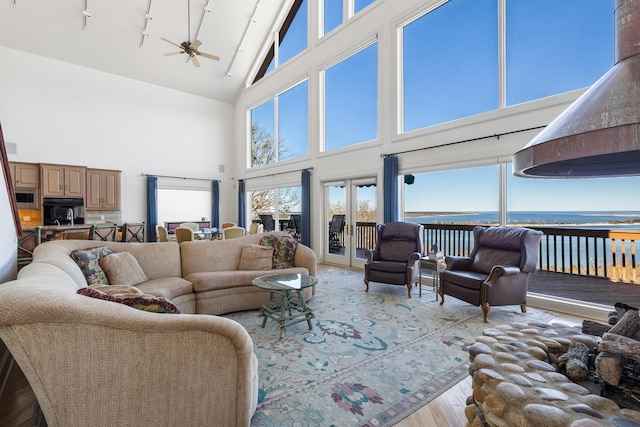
[606, 253]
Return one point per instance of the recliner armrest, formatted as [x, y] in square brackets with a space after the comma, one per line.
[372, 254]
[458, 263]
[502, 270]
[414, 257]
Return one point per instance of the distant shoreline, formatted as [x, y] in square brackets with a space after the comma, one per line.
[617, 218]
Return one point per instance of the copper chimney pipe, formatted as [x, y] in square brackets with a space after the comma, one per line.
[599, 134]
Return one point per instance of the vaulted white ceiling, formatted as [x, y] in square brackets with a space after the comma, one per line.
[112, 38]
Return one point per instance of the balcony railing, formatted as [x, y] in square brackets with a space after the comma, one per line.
[606, 253]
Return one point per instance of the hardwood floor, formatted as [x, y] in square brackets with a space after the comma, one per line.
[447, 410]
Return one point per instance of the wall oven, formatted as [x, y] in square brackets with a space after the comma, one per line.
[28, 198]
[62, 211]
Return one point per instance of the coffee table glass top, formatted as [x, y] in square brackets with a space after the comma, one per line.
[285, 282]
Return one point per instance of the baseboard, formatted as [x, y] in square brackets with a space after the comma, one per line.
[585, 310]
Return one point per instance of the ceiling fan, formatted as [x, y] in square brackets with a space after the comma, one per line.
[188, 47]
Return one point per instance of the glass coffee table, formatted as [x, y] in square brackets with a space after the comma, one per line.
[286, 304]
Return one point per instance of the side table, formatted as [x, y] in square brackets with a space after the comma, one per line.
[435, 266]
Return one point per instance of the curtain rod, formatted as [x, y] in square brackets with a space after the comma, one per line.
[280, 173]
[496, 135]
[179, 177]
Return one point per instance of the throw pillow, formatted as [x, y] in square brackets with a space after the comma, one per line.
[122, 268]
[256, 257]
[141, 302]
[89, 262]
[284, 250]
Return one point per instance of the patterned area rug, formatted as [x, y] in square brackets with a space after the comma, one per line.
[371, 359]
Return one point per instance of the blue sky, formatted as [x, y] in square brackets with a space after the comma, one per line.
[451, 69]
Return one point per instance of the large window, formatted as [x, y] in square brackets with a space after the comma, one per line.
[451, 55]
[450, 63]
[460, 196]
[280, 127]
[335, 12]
[276, 206]
[351, 99]
[291, 39]
[556, 46]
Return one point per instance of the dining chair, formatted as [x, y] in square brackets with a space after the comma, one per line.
[195, 227]
[184, 234]
[233, 232]
[256, 228]
[161, 233]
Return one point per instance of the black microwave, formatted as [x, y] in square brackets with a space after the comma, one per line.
[28, 198]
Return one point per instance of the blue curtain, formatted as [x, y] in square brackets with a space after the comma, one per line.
[152, 207]
[241, 203]
[215, 204]
[305, 217]
[390, 188]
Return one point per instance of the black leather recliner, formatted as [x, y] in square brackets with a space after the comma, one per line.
[496, 272]
[396, 257]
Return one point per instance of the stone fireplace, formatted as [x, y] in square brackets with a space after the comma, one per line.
[516, 381]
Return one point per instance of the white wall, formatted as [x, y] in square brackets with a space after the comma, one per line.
[62, 113]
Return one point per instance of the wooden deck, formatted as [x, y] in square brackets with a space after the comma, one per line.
[590, 289]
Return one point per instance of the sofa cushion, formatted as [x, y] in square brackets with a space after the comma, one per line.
[89, 262]
[167, 287]
[122, 268]
[256, 257]
[138, 301]
[284, 250]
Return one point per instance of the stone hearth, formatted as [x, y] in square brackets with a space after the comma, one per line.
[515, 382]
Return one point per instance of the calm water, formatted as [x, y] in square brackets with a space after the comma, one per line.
[582, 219]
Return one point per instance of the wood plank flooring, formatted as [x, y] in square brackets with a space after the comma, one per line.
[590, 289]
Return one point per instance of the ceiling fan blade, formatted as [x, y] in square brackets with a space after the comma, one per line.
[195, 61]
[196, 44]
[208, 55]
[170, 42]
[173, 53]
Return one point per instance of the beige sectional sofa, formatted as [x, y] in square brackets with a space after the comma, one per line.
[95, 362]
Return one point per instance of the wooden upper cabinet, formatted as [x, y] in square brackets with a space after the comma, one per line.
[103, 189]
[63, 181]
[25, 174]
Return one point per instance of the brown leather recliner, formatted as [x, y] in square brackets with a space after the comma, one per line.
[396, 257]
[496, 272]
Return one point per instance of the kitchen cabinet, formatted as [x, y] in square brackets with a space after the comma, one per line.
[63, 180]
[103, 190]
[25, 174]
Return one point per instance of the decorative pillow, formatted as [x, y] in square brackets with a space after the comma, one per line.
[284, 249]
[122, 268]
[89, 262]
[256, 257]
[139, 301]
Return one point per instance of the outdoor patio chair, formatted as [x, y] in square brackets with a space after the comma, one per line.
[496, 272]
[268, 222]
[396, 257]
[336, 228]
